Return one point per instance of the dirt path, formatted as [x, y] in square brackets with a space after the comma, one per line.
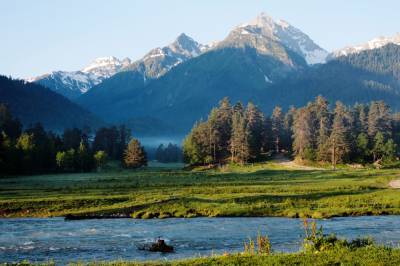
[395, 183]
[293, 165]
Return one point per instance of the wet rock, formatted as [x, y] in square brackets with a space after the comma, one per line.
[157, 246]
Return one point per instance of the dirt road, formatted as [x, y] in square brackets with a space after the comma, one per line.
[395, 183]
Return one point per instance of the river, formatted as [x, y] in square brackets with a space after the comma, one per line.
[42, 239]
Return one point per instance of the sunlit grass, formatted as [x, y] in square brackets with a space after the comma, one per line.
[264, 189]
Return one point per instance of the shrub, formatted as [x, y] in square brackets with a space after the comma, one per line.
[262, 243]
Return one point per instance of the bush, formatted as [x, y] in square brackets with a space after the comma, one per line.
[316, 241]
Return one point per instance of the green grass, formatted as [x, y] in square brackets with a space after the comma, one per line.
[265, 189]
[361, 256]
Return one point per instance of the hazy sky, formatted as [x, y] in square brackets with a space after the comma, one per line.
[44, 35]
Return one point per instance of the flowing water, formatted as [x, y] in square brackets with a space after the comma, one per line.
[39, 240]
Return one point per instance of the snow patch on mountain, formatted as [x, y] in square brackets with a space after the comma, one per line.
[267, 80]
[372, 44]
[160, 60]
[106, 66]
[73, 83]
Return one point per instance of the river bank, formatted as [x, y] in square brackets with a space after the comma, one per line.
[364, 256]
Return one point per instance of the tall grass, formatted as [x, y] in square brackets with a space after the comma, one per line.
[262, 245]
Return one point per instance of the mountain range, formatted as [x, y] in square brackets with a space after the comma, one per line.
[265, 61]
[72, 84]
[370, 45]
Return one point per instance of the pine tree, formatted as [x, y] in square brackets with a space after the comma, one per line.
[277, 120]
[390, 151]
[339, 138]
[288, 129]
[396, 131]
[214, 135]
[238, 108]
[239, 146]
[379, 119]
[124, 136]
[196, 146]
[360, 113]
[9, 125]
[323, 123]
[220, 128]
[135, 156]
[70, 160]
[302, 133]
[362, 148]
[254, 130]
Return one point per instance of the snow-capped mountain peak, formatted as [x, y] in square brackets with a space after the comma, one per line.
[283, 32]
[372, 44]
[74, 83]
[186, 45]
[160, 60]
[263, 20]
[105, 66]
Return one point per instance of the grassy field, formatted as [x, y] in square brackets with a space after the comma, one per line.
[362, 256]
[268, 189]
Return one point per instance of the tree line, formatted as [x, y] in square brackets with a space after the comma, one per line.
[363, 133]
[34, 150]
[170, 153]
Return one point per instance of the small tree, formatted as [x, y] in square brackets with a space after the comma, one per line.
[26, 146]
[379, 146]
[135, 156]
[100, 158]
[390, 151]
[70, 160]
[61, 157]
[362, 144]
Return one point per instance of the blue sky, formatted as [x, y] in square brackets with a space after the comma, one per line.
[44, 35]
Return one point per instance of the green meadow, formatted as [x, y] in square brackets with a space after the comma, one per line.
[372, 255]
[361, 256]
[159, 191]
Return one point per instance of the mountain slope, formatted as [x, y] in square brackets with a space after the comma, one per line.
[134, 77]
[72, 84]
[33, 103]
[187, 92]
[160, 60]
[362, 77]
[385, 60]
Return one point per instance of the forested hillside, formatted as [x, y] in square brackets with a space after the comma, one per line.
[32, 103]
[385, 61]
